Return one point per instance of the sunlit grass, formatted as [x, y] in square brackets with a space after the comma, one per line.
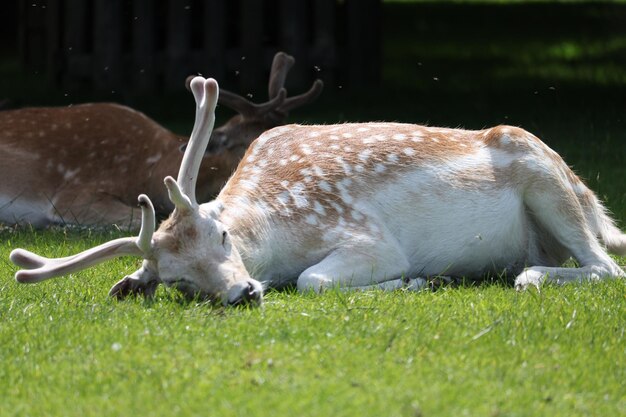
[67, 349]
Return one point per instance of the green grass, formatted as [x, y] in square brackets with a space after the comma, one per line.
[67, 349]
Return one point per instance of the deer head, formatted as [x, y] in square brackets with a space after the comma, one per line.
[190, 251]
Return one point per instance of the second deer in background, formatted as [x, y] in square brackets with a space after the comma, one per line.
[85, 164]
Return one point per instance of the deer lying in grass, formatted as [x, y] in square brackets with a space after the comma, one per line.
[368, 205]
[86, 164]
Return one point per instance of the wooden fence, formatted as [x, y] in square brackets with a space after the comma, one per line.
[150, 46]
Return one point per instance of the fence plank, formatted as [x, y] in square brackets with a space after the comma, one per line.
[178, 43]
[107, 68]
[213, 57]
[53, 40]
[294, 27]
[74, 49]
[33, 35]
[324, 50]
[144, 46]
[24, 34]
[84, 41]
[363, 53]
[251, 32]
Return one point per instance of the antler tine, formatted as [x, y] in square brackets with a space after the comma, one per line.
[45, 268]
[281, 65]
[148, 224]
[180, 200]
[205, 93]
[249, 109]
[39, 268]
[304, 98]
[278, 102]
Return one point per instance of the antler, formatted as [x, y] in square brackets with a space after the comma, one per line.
[279, 105]
[148, 224]
[278, 75]
[302, 99]
[205, 92]
[249, 109]
[39, 268]
[281, 65]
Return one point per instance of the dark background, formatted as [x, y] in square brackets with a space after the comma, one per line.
[473, 63]
[556, 69]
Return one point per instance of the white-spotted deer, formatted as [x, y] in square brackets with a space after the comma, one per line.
[86, 164]
[368, 205]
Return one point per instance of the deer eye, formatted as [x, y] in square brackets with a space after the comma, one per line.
[224, 235]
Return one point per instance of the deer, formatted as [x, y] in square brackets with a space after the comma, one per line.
[360, 206]
[86, 164]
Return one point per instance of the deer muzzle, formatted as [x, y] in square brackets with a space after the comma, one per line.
[245, 293]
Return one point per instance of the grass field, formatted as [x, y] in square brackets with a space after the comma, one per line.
[66, 349]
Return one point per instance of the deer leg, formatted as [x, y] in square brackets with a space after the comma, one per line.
[559, 213]
[141, 282]
[411, 284]
[378, 264]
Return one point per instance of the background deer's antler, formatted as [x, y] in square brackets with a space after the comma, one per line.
[279, 105]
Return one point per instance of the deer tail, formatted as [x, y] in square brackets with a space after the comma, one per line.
[603, 225]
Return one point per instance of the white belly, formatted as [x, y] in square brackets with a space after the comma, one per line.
[16, 210]
[455, 231]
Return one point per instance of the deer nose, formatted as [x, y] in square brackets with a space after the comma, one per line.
[247, 293]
